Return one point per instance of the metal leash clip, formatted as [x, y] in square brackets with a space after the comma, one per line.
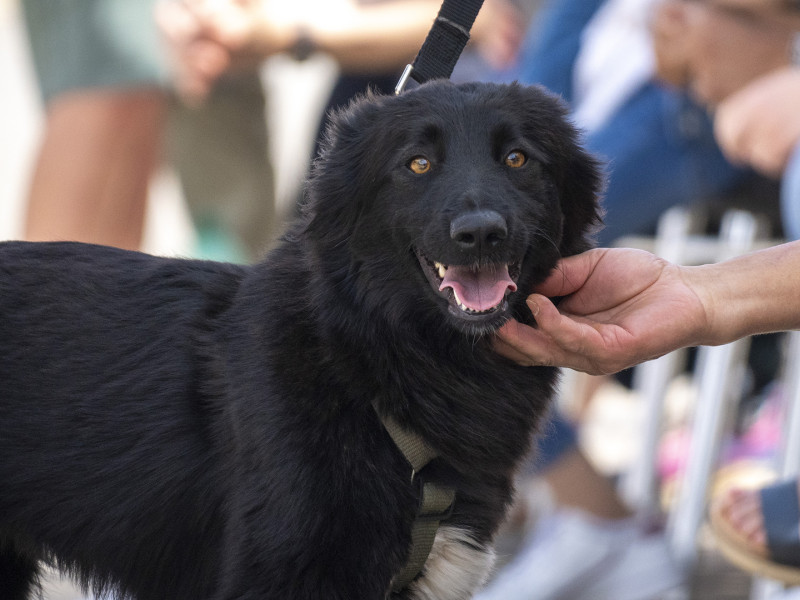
[401, 84]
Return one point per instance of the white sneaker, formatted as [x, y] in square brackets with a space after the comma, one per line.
[572, 556]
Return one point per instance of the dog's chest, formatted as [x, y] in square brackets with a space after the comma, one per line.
[456, 568]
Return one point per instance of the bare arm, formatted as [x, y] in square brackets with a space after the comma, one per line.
[206, 38]
[360, 38]
[714, 49]
[751, 294]
[623, 307]
[387, 36]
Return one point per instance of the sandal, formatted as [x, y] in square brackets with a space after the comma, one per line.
[780, 560]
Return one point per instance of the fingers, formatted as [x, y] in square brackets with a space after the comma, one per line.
[498, 33]
[567, 339]
[555, 340]
[669, 29]
[570, 273]
[558, 340]
[729, 130]
[758, 125]
[524, 345]
[197, 61]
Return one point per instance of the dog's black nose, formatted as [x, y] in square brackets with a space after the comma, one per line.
[478, 230]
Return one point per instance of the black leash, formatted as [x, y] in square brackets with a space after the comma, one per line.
[436, 60]
[444, 44]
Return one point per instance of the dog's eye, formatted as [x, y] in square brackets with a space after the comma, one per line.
[515, 159]
[419, 165]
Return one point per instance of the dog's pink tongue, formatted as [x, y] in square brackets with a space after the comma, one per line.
[479, 289]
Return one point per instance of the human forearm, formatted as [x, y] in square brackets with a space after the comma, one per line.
[365, 38]
[751, 294]
[375, 37]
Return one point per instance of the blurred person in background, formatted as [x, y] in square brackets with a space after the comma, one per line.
[373, 39]
[735, 60]
[621, 307]
[103, 86]
[370, 40]
[111, 120]
[760, 125]
[659, 143]
[748, 73]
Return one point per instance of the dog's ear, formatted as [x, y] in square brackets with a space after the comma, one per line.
[580, 185]
[347, 170]
[579, 176]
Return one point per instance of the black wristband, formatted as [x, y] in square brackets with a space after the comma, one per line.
[304, 46]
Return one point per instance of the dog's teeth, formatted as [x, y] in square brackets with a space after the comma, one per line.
[441, 269]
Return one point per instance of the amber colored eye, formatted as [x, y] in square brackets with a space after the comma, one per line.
[515, 159]
[419, 165]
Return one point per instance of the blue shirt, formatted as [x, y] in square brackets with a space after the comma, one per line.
[790, 196]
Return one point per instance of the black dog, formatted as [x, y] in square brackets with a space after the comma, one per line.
[186, 430]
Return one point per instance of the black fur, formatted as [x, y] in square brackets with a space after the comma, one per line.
[187, 430]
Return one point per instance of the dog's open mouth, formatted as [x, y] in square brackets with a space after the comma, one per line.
[472, 291]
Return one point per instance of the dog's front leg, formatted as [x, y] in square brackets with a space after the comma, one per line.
[297, 554]
[323, 578]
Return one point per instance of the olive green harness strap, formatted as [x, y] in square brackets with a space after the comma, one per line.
[435, 504]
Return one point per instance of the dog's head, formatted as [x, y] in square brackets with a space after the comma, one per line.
[450, 201]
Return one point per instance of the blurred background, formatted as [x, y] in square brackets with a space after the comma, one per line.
[187, 128]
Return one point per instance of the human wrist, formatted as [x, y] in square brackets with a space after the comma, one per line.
[751, 294]
[304, 44]
[711, 321]
[270, 35]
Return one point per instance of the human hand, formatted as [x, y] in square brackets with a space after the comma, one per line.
[669, 29]
[760, 125]
[498, 33]
[207, 38]
[715, 49]
[621, 307]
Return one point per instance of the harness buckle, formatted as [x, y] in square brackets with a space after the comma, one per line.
[436, 501]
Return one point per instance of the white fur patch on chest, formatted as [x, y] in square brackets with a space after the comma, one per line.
[456, 568]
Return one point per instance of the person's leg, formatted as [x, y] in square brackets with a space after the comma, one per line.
[101, 76]
[221, 154]
[576, 484]
[91, 177]
[759, 529]
[572, 482]
[587, 545]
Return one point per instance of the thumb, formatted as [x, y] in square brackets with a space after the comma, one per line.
[543, 310]
[561, 329]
